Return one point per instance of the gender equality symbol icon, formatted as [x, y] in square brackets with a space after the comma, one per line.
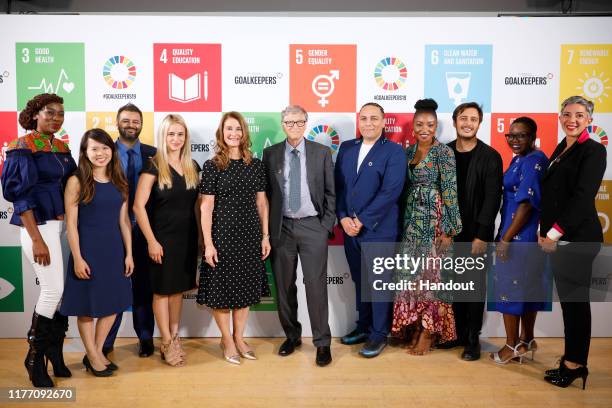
[323, 86]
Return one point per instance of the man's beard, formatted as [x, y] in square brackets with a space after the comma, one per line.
[127, 136]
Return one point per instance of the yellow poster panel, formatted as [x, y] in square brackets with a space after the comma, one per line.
[107, 121]
[604, 209]
[586, 70]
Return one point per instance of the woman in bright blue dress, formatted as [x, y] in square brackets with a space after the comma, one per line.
[519, 282]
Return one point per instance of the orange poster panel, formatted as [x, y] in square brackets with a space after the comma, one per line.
[323, 77]
[546, 136]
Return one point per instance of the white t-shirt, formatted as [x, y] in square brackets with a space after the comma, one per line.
[363, 152]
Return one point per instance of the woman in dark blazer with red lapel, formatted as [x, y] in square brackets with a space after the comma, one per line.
[570, 230]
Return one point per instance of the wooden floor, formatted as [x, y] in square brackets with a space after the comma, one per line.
[394, 379]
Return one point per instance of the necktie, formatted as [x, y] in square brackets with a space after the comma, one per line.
[294, 181]
[131, 177]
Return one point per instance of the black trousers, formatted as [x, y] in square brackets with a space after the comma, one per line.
[572, 266]
[469, 306]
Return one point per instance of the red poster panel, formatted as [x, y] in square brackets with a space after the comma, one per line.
[398, 128]
[547, 132]
[187, 77]
[8, 133]
[323, 77]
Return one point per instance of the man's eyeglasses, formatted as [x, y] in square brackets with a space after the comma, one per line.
[290, 123]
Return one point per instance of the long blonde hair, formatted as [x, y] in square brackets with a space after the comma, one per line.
[221, 158]
[164, 177]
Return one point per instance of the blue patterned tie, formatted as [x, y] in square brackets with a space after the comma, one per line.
[294, 181]
[131, 178]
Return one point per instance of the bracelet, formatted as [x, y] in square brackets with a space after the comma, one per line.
[265, 236]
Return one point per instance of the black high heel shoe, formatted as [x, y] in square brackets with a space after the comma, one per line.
[112, 366]
[567, 376]
[554, 372]
[102, 373]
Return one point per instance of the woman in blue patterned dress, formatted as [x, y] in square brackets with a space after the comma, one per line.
[431, 219]
[518, 279]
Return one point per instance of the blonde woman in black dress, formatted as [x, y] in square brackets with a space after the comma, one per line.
[166, 211]
[235, 227]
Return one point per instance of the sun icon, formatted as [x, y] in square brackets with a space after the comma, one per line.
[594, 86]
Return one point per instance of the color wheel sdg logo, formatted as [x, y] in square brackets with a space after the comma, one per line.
[598, 134]
[390, 74]
[119, 72]
[324, 134]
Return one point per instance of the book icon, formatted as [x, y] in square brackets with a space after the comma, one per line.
[187, 90]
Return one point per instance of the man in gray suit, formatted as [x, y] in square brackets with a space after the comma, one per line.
[302, 214]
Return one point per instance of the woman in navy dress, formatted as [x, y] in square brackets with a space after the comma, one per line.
[518, 281]
[33, 179]
[99, 234]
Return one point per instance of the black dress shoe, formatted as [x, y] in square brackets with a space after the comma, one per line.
[107, 350]
[472, 347]
[567, 376]
[288, 347]
[373, 348]
[323, 356]
[450, 344]
[354, 337]
[145, 348]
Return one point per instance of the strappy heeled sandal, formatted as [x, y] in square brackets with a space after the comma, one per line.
[170, 355]
[531, 346]
[515, 354]
[177, 340]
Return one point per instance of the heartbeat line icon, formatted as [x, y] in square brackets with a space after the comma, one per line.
[61, 81]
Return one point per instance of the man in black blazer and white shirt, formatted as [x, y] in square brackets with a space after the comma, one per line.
[302, 201]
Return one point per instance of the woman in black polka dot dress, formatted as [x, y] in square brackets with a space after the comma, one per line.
[235, 226]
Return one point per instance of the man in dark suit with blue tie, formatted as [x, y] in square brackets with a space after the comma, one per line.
[302, 203]
[370, 173]
[133, 156]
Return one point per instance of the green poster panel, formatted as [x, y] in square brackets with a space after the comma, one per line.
[51, 68]
[267, 304]
[265, 130]
[11, 280]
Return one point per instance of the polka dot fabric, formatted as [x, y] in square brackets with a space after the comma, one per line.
[239, 279]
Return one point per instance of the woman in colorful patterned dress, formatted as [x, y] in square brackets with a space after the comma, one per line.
[33, 179]
[431, 219]
[518, 279]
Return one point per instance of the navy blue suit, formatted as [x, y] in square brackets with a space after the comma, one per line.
[142, 308]
[371, 194]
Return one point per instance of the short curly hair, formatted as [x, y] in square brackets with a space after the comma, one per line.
[35, 105]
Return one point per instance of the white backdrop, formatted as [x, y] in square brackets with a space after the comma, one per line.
[513, 66]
